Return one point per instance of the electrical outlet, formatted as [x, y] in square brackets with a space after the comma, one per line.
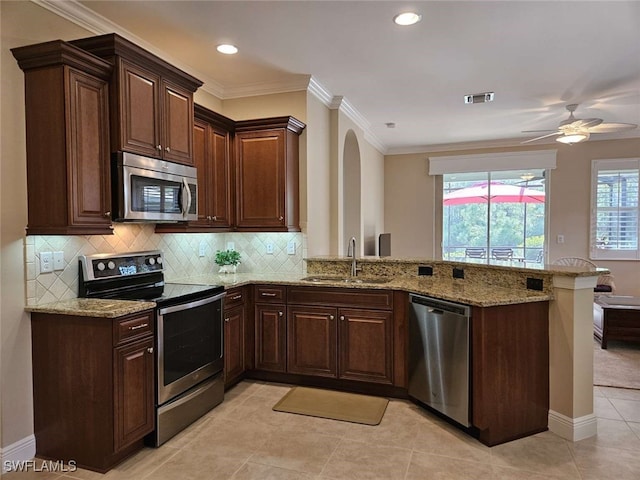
[231, 246]
[269, 248]
[46, 262]
[560, 239]
[58, 260]
[291, 247]
[202, 249]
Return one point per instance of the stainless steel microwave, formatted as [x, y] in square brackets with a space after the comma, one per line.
[146, 189]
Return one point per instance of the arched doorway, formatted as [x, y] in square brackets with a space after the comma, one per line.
[351, 188]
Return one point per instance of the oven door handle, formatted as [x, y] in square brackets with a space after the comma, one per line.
[186, 190]
[186, 306]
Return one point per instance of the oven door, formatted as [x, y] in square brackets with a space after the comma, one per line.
[190, 345]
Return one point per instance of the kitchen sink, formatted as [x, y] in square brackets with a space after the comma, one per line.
[356, 280]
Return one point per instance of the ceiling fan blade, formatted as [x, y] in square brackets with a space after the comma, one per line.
[589, 122]
[538, 131]
[612, 127]
[543, 136]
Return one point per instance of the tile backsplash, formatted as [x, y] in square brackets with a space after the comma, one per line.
[181, 252]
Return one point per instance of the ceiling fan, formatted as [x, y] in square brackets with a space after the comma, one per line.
[574, 130]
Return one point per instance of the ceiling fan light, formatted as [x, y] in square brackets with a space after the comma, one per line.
[573, 138]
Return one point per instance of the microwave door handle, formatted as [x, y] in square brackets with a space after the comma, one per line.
[186, 205]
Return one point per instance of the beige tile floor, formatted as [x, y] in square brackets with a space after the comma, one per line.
[244, 439]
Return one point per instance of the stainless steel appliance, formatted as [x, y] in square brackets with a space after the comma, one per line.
[189, 333]
[439, 356]
[148, 189]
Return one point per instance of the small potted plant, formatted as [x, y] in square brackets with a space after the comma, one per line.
[228, 260]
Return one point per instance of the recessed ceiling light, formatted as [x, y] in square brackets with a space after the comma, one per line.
[227, 49]
[407, 18]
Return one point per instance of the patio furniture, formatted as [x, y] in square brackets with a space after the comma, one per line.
[502, 253]
[475, 252]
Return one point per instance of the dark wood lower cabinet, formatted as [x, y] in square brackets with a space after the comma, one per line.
[510, 371]
[271, 337]
[312, 341]
[93, 387]
[234, 365]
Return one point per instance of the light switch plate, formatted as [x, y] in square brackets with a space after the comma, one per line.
[291, 247]
[46, 262]
[202, 249]
[231, 246]
[269, 248]
[58, 260]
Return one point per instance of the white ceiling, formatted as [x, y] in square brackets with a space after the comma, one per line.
[537, 56]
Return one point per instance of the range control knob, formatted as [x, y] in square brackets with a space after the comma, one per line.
[111, 265]
[159, 260]
[151, 261]
[100, 266]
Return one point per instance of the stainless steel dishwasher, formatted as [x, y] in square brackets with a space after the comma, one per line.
[439, 356]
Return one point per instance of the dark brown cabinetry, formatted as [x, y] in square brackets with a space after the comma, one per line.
[510, 371]
[234, 336]
[266, 174]
[151, 101]
[212, 157]
[330, 334]
[270, 328]
[67, 124]
[93, 387]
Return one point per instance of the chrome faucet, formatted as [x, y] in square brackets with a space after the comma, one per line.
[351, 252]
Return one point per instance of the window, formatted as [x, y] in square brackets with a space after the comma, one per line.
[614, 209]
[494, 216]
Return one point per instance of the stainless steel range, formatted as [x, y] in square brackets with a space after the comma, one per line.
[189, 333]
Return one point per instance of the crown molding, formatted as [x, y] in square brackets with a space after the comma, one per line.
[93, 22]
[319, 91]
[255, 89]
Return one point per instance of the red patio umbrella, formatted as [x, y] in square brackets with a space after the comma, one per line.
[500, 193]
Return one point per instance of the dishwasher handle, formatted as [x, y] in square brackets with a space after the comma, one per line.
[439, 307]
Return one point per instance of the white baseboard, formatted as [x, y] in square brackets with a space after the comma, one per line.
[20, 451]
[573, 429]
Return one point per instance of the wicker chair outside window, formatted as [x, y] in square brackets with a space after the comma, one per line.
[605, 282]
[475, 252]
[502, 253]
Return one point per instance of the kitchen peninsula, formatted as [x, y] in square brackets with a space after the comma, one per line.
[563, 295]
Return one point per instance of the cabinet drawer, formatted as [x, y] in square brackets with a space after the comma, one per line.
[133, 327]
[341, 297]
[234, 297]
[270, 294]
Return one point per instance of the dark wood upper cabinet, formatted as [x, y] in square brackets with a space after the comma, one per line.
[67, 128]
[151, 100]
[267, 174]
[212, 157]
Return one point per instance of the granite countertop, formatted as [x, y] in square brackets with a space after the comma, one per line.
[92, 307]
[453, 290]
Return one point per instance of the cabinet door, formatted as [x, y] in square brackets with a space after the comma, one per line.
[202, 164]
[88, 151]
[260, 179]
[366, 346]
[177, 122]
[133, 392]
[220, 179]
[139, 124]
[233, 343]
[270, 338]
[312, 341]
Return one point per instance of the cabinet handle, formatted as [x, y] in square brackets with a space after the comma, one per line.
[167, 149]
[266, 294]
[280, 218]
[150, 349]
[208, 217]
[236, 297]
[159, 147]
[214, 218]
[136, 327]
[331, 317]
[280, 314]
[226, 320]
[107, 214]
[342, 318]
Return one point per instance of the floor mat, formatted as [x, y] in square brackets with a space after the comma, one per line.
[348, 407]
[617, 366]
